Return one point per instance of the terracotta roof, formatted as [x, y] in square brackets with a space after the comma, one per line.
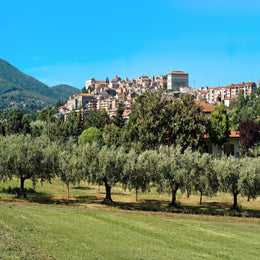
[84, 94]
[205, 106]
[127, 112]
[216, 88]
[178, 73]
[234, 134]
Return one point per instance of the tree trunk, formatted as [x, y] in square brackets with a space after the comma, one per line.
[235, 201]
[136, 194]
[200, 197]
[22, 194]
[68, 189]
[173, 202]
[108, 199]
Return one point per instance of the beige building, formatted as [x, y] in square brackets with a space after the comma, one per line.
[78, 101]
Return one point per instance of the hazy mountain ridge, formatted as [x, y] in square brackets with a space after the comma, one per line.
[20, 90]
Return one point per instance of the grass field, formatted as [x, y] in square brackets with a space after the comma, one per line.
[82, 228]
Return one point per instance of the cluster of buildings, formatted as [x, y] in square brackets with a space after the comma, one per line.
[107, 94]
[225, 93]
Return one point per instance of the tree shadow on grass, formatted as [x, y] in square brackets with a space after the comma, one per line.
[82, 188]
[79, 200]
[207, 208]
[32, 195]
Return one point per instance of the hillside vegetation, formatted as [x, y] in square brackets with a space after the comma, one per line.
[22, 91]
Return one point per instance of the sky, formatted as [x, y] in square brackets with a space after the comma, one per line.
[59, 41]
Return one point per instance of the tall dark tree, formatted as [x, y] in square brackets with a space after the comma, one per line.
[249, 134]
[96, 118]
[155, 120]
[112, 135]
[188, 123]
[118, 120]
[74, 125]
[16, 123]
[147, 120]
[219, 125]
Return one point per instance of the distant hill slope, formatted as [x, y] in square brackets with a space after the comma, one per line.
[20, 90]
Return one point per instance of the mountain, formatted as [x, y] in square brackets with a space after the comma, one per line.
[22, 91]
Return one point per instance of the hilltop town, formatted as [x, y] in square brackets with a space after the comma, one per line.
[107, 94]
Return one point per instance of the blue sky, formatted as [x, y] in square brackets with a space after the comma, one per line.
[58, 41]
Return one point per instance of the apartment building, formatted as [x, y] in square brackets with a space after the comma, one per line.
[223, 93]
[176, 80]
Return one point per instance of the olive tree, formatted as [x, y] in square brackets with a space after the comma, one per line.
[107, 168]
[28, 158]
[249, 182]
[70, 165]
[170, 171]
[229, 170]
[139, 170]
[204, 177]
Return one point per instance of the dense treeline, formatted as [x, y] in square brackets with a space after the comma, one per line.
[243, 109]
[160, 146]
[168, 168]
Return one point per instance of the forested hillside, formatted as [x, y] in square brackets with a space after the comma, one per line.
[27, 93]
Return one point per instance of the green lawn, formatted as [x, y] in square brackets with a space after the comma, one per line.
[33, 231]
[81, 227]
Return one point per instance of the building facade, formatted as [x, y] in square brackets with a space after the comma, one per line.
[177, 80]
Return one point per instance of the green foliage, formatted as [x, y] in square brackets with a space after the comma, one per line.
[108, 168]
[91, 135]
[242, 109]
[16, 123]
[147, 122]
[188, 123]
[249, 181]
[74, 125]
[239, 176]
[84, 90]
[70, 165]
[204, 177]
[112, 135]
[118, 119]
[171, 169]
[96, 118]
[229, 170]
[219, 125]
[139, 170]
[47, 115]
[28, 158]
[154, 121]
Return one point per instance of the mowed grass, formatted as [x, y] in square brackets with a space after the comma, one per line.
[84, 193]
[40, 231]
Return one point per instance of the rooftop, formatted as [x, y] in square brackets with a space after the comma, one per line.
[178, 73]
[207, 108]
